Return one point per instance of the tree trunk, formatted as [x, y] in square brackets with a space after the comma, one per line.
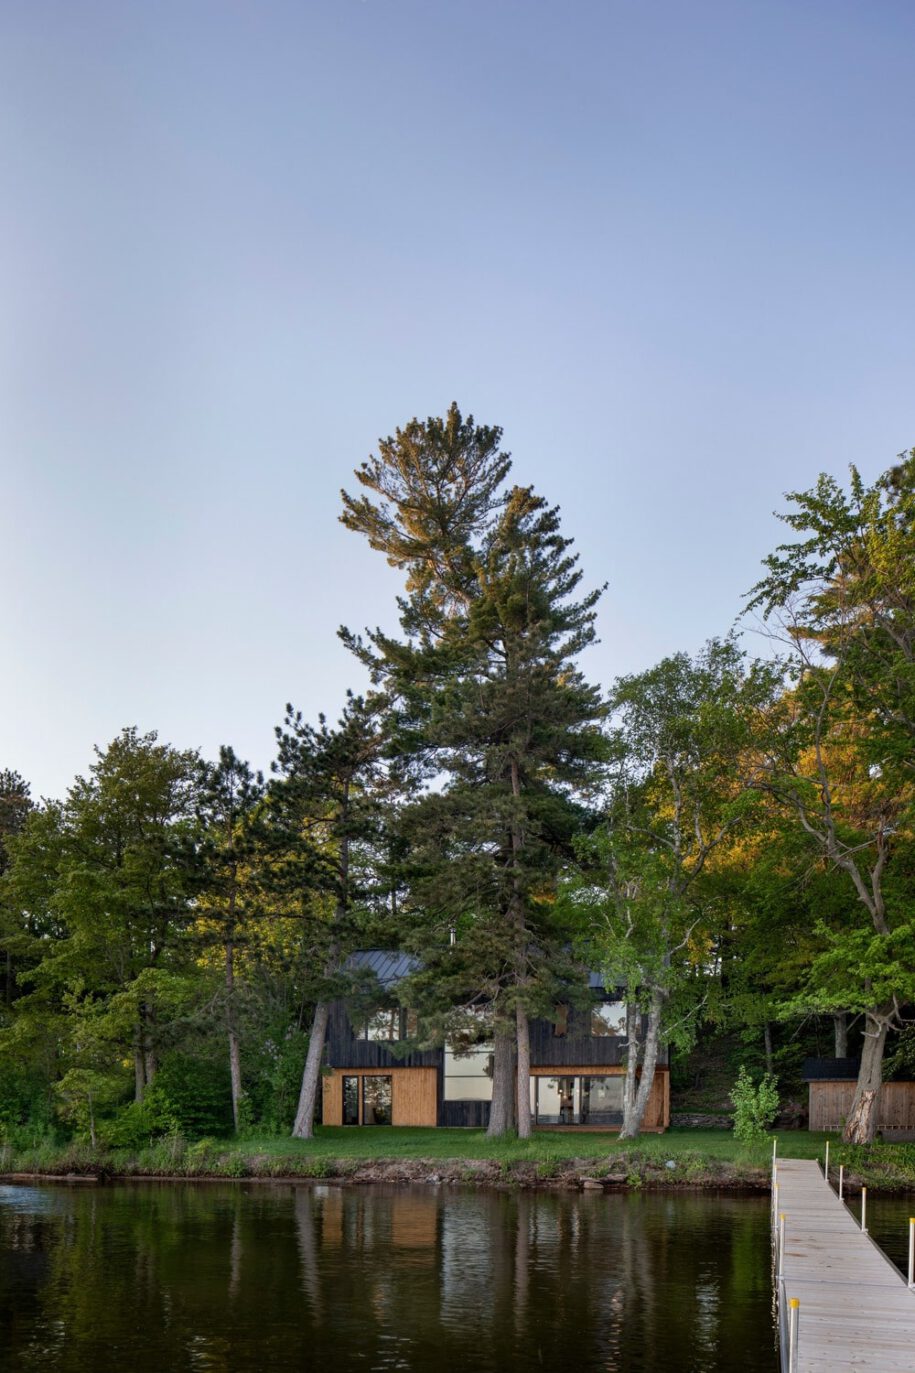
[840, 1025]
[139, 1068]
[767, 1044]
[649, 1063]
[523, 1032]
[148, 1044]
[303, 1128]
[861, 1125]
[630, 1081]
[234, 1046]
[502, 1109]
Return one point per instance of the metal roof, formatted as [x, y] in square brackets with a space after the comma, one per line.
[390, 968]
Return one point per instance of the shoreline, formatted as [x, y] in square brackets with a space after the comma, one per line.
[579, 1175]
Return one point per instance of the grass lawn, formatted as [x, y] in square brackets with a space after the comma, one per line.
[368, 1154]
[406, 1142]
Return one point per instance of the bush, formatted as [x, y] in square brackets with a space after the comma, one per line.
[198, 1093]
[755, 1106]
[140, 1121]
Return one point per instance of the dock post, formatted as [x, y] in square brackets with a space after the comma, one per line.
[793, 1318]
[841, 1179]
[911, 1278]
[826, 1168]
[864, 1209]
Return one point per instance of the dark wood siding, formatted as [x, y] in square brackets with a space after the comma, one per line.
[577, 1045]
[344, 1050]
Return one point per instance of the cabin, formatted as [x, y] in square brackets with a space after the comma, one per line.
[577, 1065]
[831, 1085]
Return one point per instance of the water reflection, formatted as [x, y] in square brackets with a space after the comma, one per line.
[216, 1277]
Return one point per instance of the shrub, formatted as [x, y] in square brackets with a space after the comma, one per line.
[140, 1121]
[755, 1106]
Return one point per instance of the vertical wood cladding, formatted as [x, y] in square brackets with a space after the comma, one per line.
[345, 1050]
[830, 1103]
[578, 1046]
[414, 1095]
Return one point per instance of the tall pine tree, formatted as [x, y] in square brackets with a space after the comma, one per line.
[489, 701]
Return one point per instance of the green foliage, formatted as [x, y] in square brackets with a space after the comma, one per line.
[755, 1106]
[27, 1106]
[139, 1122]
[195, 1096]
[274, 1070]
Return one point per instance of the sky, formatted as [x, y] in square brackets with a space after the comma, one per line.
[667, 247]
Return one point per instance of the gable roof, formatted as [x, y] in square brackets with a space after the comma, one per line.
[389, 967]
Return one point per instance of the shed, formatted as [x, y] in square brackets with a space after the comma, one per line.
[831, 1083]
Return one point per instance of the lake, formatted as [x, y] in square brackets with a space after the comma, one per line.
[237, 1277]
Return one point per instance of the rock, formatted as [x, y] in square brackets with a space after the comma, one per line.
[671, 1163]
[592, 1185]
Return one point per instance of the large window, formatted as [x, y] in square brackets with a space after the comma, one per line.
[351, 1101]
[556, 1100]
[601, 1101]
[608, 1020]
[468, 1074]
[376, 1100]
[579, 1100]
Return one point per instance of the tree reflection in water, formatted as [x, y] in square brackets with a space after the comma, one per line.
[245, 1277]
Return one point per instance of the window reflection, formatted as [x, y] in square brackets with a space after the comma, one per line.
[608, 1019]
[387, 1025]
[579, 1100]
[351, 1101]
[376, 1100]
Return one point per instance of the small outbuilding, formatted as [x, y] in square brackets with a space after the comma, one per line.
[831, 1083]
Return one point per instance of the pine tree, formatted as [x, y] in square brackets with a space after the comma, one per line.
[326, 807]
[15, 805]
[230, 796]
[490, 701]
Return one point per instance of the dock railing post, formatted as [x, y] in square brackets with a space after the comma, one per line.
[793, 1320]
[911, 1277]
[864, 1209]
[826, 1167]
[841, 1179]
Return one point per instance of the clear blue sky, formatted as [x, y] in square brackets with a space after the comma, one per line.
[668, 246]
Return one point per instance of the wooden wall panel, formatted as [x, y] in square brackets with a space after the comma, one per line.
[657, 1112]
[830, 1103]
[332, 1099]
[414, 1094]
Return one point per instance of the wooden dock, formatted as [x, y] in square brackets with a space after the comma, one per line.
[855, 1308]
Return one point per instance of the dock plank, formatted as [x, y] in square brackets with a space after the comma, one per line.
[856, 1311]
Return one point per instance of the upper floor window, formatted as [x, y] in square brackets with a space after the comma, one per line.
[560, 1022]
[608, 1019]
[389, 1024]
